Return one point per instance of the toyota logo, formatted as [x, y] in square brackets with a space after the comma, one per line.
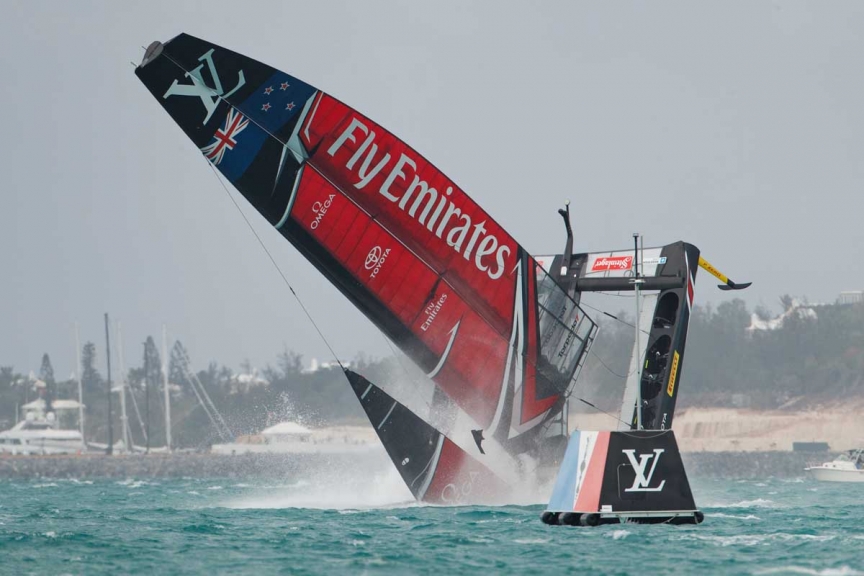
[373, 257]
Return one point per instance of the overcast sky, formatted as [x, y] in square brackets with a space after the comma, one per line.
[736, 126]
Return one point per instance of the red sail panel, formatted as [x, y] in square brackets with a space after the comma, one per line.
[434, 312]
[460, 478]
[424, 209]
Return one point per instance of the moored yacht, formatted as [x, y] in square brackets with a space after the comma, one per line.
[40, 433]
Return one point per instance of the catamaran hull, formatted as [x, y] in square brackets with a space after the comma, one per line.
[615, 477]
[434, 468]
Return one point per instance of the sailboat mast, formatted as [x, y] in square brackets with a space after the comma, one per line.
[80, 390]
[165, 389]
[110, 448]
[636, 285]
[124, 419]
[146, 399]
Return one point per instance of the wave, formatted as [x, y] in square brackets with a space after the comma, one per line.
[841, 571]
[734, 516]
[531, 541]
[756, 539]
[757, 503]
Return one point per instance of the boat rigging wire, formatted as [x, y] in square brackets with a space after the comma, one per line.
[278, 269]
[603, 411]
[616, 294]
[599, 359]
[413, 386]
[616, 318]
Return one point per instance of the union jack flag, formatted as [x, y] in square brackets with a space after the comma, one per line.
[226, 137]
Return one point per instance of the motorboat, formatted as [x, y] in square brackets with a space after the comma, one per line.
[39, 433]
[848, 467]
[30, 437]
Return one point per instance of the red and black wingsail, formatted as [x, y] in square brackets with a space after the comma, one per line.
[406, 245]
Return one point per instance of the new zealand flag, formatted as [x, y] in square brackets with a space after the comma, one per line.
[279, 99]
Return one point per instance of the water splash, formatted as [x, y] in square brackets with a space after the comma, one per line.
[338, 484]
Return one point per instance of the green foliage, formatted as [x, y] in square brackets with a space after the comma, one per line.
[814, 359]
[46, 374]
[726, 365]
[91, 380]
[176, 365]
[14, 391]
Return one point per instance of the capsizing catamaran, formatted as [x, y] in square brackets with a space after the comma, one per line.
[500, 334]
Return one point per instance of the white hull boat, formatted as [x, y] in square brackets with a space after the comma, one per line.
[38, 438]
[848, 467]
[40, 432]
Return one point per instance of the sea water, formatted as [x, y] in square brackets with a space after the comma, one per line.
[207, 526]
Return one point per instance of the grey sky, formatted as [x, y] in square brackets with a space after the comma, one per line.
[734, 125]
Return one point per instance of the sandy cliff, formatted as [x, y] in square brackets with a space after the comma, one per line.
[728, 429]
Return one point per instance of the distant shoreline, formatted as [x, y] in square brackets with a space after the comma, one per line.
[250, 466]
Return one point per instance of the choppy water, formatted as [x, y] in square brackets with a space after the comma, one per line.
[195, 526]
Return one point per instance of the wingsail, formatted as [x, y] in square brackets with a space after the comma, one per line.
[406, 245]
[433, 467]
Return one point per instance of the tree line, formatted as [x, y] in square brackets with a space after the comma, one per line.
[246, 401]
[810, 359]
[805, 361]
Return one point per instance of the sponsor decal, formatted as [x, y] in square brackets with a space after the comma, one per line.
[431, 312]
[375, 259]
[320, 210]
[565, 347]
[607, 263]
[198, 88]
[649, 261]
[642, 482]
[429, 207]
[454, 492]
[670, 388]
